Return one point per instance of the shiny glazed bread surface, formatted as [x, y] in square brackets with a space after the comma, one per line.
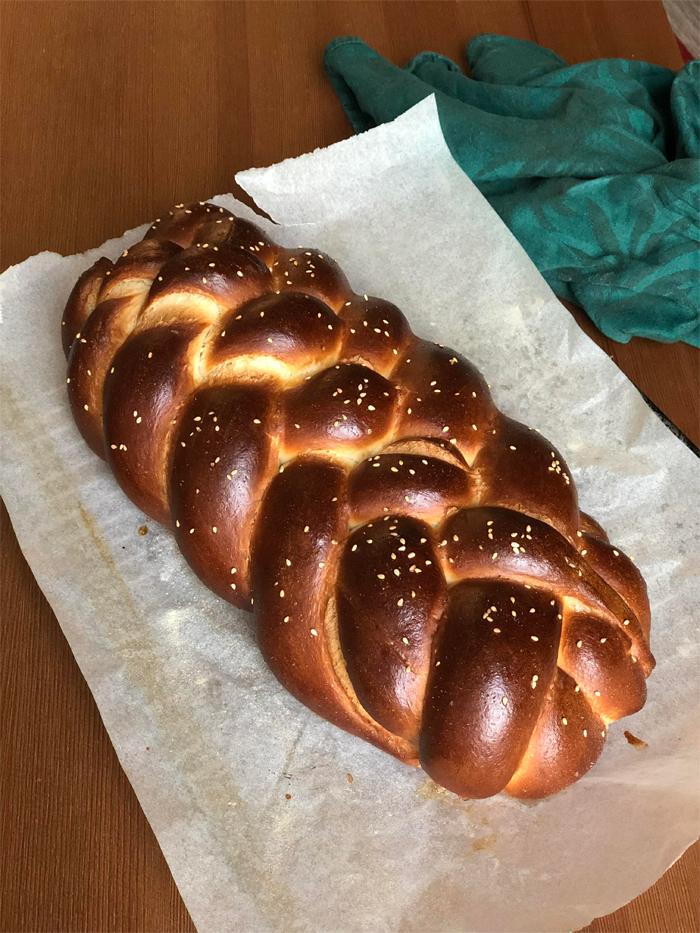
[417, 564]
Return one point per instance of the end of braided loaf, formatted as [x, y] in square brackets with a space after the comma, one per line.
[417, 563]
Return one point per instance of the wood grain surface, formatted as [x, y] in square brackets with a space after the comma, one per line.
[111, 112]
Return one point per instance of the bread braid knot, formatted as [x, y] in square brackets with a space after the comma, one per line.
[417, 564]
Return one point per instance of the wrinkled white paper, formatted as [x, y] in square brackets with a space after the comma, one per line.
[213, 745]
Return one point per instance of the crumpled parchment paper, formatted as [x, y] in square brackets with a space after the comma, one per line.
[249, 794]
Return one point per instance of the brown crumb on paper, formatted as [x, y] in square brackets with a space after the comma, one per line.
[350, 778]
[485, 843]
[143, 530]
[429, 790]
[633, 740]
[287, 796]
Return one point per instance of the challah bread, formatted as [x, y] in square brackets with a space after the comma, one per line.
[416, 561]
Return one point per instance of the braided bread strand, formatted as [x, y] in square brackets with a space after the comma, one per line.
[417, 563]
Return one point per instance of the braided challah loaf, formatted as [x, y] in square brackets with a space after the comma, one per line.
[418, 567]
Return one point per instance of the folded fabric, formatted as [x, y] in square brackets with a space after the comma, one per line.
[594, 167]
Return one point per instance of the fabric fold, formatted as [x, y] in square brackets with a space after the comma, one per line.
[594, 167]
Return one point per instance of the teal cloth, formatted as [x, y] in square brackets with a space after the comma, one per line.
[594, 167]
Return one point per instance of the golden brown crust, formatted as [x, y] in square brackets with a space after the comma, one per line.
[494, 661]
[150, 379]
[445, 397]
[297, 546]
[223, 454]
[565, 743]
[404, 483]
[521, 470]
[417, 563]
[390, 596]
[82, 301]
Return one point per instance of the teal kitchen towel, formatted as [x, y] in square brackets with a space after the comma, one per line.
[594, 167]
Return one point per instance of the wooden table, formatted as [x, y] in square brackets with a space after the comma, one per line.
[112, 112]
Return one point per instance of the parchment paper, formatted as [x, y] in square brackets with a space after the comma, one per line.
[209, 740]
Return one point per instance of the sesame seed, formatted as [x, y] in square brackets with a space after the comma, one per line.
[579, 644]
[504, 701]
[400, 602]
[565, 721]
[314, 632]
[497, 631]
[597, 693]
[281, 594]
[534, 637]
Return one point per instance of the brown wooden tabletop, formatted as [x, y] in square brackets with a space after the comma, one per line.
[111, 113]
